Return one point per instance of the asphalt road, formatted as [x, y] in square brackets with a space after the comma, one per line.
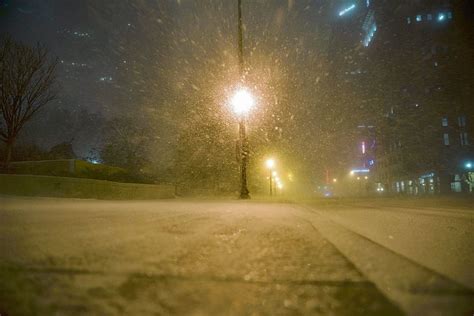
[84, 257]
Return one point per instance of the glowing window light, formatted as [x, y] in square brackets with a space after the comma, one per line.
[441, 17]
[351, 7]
[363, 147]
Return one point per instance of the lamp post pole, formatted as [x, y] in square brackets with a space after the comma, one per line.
[244, 192]
[271, 183]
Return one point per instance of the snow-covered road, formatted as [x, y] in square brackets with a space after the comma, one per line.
[79, 257]
[440, 239]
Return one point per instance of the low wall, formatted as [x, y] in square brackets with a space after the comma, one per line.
[69, 168]
[32, 185]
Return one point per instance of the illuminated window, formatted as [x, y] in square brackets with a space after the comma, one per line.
[418, 18]
[408, 20]
[463, 138]
[446, 139]
[450, 15]
[429, 17]
[441, 17]
[462, 121]
[444, 121]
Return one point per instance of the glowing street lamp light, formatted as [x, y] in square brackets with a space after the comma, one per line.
[270, 163]
[242, 102]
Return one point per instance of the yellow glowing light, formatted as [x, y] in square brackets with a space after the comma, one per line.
[270, 163]
[242, 102]
[366, 177]
[274, 173]
[334, 180]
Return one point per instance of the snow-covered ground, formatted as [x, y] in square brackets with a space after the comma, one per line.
[440, 239]
[91, 257]
[421, 258]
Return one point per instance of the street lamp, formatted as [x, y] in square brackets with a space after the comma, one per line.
[242, 101]
[270, 163]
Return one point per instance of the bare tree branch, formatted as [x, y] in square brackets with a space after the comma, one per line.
[27, 80]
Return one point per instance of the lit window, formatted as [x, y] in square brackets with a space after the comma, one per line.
[446, 139]
[429, 17]
[441, 17]
[444, 121]
[418, 18]
[462, 121]
[464, 140]
[450, 15]
[408, 20]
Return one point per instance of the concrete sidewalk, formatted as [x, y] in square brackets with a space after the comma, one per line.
[174, 258]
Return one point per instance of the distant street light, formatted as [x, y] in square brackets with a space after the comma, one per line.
[270, 163]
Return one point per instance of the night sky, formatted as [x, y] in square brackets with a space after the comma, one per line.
[117, 57]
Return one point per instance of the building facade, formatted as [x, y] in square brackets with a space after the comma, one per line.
[423, 64]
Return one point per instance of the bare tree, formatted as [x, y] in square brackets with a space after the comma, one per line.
[27, 78]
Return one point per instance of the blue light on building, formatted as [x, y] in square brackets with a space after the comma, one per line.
[344, 11]
[369, 27]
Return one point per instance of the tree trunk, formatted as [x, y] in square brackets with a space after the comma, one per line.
[8, 155]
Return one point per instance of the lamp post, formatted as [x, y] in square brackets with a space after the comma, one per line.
[245, 101]
[270, 163]
[242, 102]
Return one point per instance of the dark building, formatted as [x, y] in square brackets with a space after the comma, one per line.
[421, 68]
[353, 31]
